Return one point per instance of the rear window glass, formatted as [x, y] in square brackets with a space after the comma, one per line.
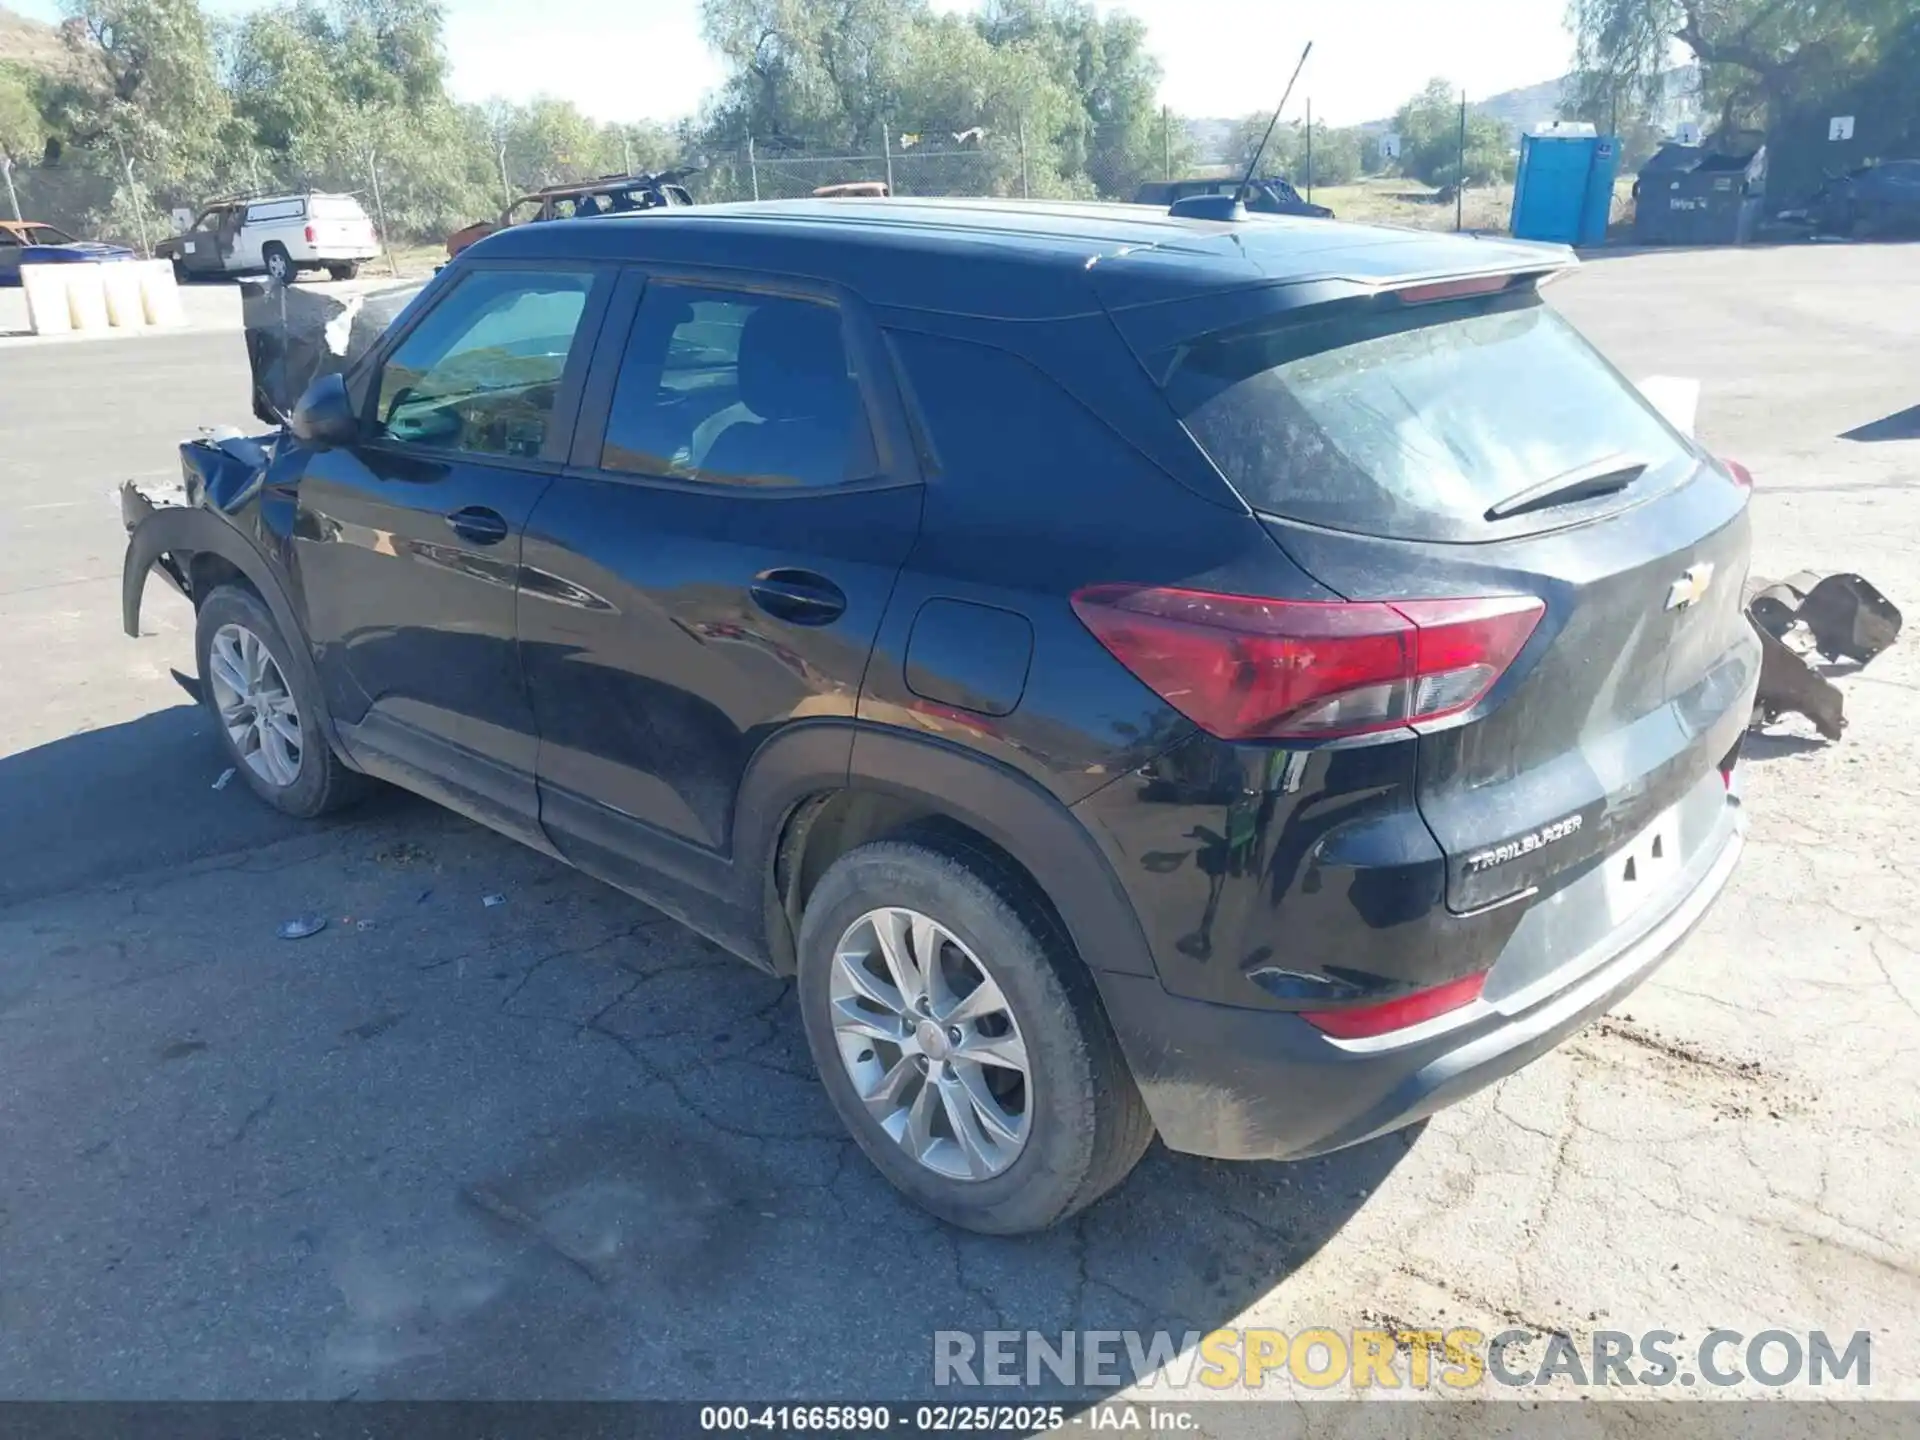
[1413, 424]
[336, 207]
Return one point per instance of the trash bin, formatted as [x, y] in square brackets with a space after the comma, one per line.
[1699, 195]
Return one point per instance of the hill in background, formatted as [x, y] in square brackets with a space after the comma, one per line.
[1515, 109]
[30, 43]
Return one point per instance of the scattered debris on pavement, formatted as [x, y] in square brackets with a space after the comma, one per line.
[1841, 617]
[403, 853]
[225, 776]
[301, 926]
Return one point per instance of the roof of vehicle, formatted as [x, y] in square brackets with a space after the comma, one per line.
[20, 227]
[275, 199]
[1200, 184]
[1018, 259]
[598, 186]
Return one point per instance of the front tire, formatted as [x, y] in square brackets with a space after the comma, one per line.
[266, 714]
[280, 266]
[960, 1039]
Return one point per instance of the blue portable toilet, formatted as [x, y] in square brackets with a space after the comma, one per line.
[1564, 191]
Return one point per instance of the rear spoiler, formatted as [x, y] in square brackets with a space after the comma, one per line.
[1160, 327]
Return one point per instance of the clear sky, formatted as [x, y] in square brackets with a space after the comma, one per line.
[643, 59]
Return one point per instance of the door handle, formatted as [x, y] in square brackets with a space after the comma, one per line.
[479, 524]
[798, 596]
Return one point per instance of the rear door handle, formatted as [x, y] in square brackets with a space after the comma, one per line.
[799, 597]
[479, 524]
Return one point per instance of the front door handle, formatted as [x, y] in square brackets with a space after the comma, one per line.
[479, 524]
[798, 596]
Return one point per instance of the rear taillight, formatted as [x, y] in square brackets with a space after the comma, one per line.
[1742, 476]
[310, 235]
[1363, 1022]
[1244, 668]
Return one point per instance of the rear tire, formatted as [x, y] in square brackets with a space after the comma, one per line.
[343, 272]
[1081, 1125]
[280, 266]
[267, 716]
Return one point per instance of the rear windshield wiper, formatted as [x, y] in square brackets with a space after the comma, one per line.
[1584, 482]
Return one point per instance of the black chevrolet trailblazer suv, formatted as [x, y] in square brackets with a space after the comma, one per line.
[1256, 680]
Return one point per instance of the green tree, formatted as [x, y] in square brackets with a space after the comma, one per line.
[299, 67]
[1759, 58]
[1105, 65]
[1336, 157]
[23, 131]
[1281, 157]
[809, 73]
[550, 142]
[1614, 105]
[140, 107]
[989, 119]
[1044, 96]
[1430, 141]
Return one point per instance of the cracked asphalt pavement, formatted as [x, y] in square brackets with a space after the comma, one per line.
[560, 1147]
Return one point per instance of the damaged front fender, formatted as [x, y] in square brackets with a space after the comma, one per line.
[172, 529]
[161, 538]
[168, 524]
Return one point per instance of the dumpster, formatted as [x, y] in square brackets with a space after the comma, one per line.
[1699, 195]
[1564, 189]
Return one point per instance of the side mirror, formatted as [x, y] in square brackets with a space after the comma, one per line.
[325, 414]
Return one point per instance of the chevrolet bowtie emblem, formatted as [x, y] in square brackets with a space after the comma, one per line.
[1690, 588]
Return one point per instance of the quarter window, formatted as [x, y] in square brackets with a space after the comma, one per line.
[481, 372]
[739, 388]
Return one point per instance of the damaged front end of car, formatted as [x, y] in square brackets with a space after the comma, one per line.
[171, 524]
[212, 525]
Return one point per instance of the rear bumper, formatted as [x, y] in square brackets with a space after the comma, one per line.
[1243, 1084]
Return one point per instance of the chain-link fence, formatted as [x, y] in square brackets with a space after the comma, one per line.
[57, 196]
[956, 158]
[762, 172]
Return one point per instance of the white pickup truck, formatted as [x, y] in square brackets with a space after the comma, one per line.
[280, 234]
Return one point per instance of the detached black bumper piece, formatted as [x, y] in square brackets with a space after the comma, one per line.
[1243, 1084]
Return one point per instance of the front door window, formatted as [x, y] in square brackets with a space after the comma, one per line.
[480, 374]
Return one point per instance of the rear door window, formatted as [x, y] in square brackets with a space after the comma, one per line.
[481, 372]
[1413, 424]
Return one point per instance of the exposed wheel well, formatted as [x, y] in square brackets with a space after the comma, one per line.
[207, 572]
[823, 827]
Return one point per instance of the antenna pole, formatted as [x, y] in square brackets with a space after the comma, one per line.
[1254, 164]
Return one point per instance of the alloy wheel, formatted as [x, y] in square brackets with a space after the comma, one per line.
[255, 704]
[931, 1045]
